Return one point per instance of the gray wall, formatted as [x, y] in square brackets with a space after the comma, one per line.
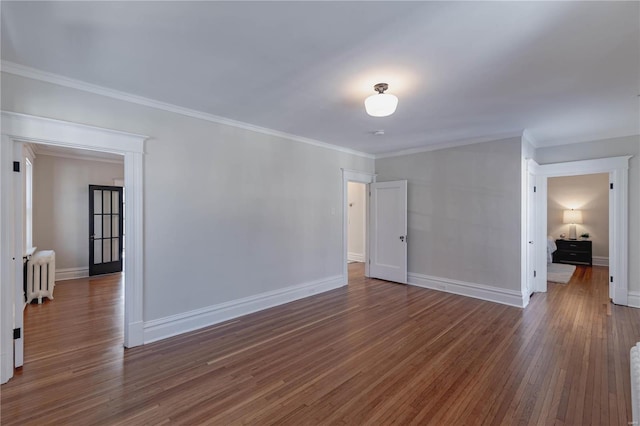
[61, 205]
[629, 145]
[229, 213]
[464, 211]
[588, 193]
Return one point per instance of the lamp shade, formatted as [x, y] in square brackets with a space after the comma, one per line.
[572, 216]
[381, 104]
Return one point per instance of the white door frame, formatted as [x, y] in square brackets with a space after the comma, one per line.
[21, 128]
[359, 177]
[618, 170]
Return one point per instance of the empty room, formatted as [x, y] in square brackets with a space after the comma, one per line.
[320, 213]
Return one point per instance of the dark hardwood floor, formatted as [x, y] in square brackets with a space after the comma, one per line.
[370, 353]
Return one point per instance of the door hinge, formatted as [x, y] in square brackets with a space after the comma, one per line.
[369, 193]
[16, 166]
[369, 261]
[610, 279]
[16, 333]
[534, 274]
[611, 186]
[534, 188]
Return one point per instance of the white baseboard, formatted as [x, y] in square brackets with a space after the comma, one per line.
[188, 321]
[478, 291]
[355, 257]
[600, 261]
[71, 273]
[633, 299]
[135, 334]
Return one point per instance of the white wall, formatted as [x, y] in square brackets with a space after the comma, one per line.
[629, 145]
[356, 210]
[464, 211]
[588, 193]
[61, 205]
[229, 212]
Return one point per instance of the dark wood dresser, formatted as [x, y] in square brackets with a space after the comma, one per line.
[575, 252]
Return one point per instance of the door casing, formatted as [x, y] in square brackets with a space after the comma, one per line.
[618, 170]
[20, 128]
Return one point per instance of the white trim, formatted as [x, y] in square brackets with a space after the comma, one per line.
[72, 273]
[48, 131]
[360, 177]
[19, 128]
[28, 72]
[477, 291]
[445, 145]
[48, 153]
[173, 325]
[600, 260]
[355, 257]
[573, 168]
[633, 299]
[528, 137]
[7, 261]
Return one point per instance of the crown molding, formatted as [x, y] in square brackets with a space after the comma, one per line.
[527, 136]
[446, 145]
[36, 74]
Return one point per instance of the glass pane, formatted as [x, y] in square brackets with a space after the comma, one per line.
[106, 222]
[97, 201]
[97, 226]
[106, 250]
[115, 201]
[97, 252]
[115, 247]
[115, 225]
[106, 207]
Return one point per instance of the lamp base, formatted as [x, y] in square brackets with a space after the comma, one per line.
[572, 232]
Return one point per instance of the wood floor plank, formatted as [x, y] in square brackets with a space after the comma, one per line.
[373, 352]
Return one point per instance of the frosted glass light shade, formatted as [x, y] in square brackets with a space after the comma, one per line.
[572, 216]
[381, 104]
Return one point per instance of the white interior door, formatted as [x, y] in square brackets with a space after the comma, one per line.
[388, 258]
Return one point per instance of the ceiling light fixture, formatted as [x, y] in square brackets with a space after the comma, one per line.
[382, 104]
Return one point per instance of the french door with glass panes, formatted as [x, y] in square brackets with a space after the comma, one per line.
[105, 229]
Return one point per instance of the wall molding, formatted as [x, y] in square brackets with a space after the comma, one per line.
[173, 325]
[463, 288]
[600, 260]
[36, 74]
[72, 273]
[633, 299]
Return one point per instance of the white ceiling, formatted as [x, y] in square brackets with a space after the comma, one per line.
[463, 71]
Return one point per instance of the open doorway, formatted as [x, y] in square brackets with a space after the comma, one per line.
[356, 228]
[617, 169]
[58, 218]
[355, 237]
[578, 230]
[17, 130]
